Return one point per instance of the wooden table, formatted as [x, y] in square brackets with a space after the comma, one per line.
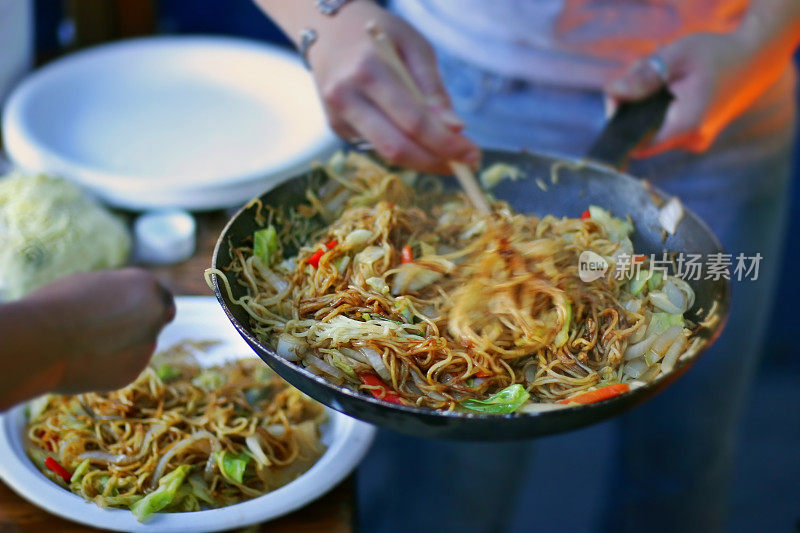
[333, 513]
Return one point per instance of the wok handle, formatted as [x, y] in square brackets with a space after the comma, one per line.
[631, 124]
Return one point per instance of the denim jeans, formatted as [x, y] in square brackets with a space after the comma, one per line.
[671, 457]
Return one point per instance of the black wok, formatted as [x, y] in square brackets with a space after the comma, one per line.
[580, 183]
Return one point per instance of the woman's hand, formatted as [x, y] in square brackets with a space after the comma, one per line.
[714, 77]
[364, 98]
[100, 327]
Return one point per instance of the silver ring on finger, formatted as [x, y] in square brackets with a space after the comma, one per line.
[659, 66]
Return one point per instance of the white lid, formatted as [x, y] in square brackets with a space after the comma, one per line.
[164, 237]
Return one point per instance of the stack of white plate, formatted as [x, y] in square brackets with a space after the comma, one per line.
[189, 122]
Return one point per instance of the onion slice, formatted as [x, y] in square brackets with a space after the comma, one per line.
[180, 447]
[254, 445]
[675, 295]
[660, 300]
[276, 430]
[290, 347]
[376, 361]
[671, 357]
[685, 288]
[639, 333]
[103, 457]
[640, 348]
[670, 215]
[323, 366]
[636, 367]
[532, 407]
[123, 459]
[666, 339]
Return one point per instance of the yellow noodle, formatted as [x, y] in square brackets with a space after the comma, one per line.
[151, 416]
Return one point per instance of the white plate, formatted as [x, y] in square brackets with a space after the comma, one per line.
[198, 318]
[191, 122]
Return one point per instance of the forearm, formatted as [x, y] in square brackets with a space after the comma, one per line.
[29, 365]
[772, 27]
[293, 16]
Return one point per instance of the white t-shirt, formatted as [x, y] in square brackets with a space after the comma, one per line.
[577, 43]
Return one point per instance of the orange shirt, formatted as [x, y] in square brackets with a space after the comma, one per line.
[578, 43]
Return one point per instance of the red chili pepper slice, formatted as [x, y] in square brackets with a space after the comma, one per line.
[482, 374]
[332, 244]
[598, 395]
[53, 465]
[315, 257]
[638, 258]
[586, 214]
[406, 255]
[380, 390]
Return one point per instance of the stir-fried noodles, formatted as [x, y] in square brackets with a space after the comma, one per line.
[388, 284]
[180, 438]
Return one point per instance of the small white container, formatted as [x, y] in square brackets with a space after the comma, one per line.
[164, 237]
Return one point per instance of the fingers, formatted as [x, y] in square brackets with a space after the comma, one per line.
[420, 58]
[341, 127]
[110, 374]
[415, 119]
[104, 324]
[130, 364]
[143, 308]
[640, 81]
[683, 126]
[395, 146]
[159, 306]
[149, 294]
[169, 304]
[403, 131]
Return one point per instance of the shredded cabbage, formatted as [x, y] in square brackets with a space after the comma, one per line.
[378, 284]
[616, 228]
[639, 281]
[199, 489]
[498, 172]
[563, 335]
[342, 330]
[80, 471]
[357, 237]
[232, 465]
[166, 372]
[164, 495]
[661, 322]
[37, 406]
[507, 400]
[265, 244]
[209, 380]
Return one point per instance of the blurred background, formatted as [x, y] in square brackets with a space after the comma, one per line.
[767, 480]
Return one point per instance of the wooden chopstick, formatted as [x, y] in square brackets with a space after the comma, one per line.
[462, 172]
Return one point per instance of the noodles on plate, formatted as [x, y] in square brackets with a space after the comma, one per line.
[179, 438]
